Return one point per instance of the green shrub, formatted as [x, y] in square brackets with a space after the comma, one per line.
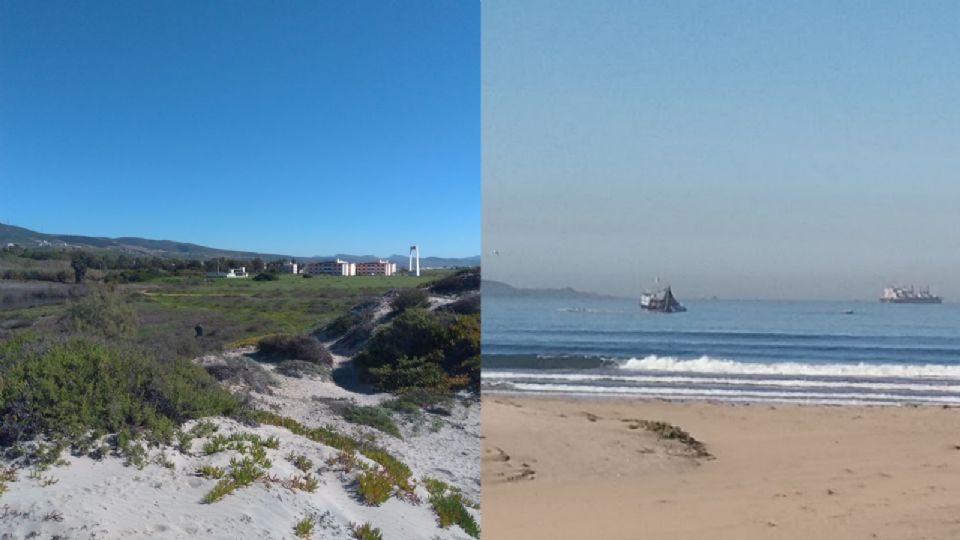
[222, 488]
[210, 472]
[286, 346]
[243, 472]
[468, 305]
[408, 299]
[308, 483]
[135, 455]
[396, 471]
[410, 372]
[69, 388]
[357, 315]
[102, 312]
[423, 350]
[300, 368]
[375, 417]
[374, 487]
[303, 528]
[245, 372]
[266, 276]
[300, 461]
[366, 532]
[203, 428]
[8, 474]
[459, 282]
[415, 400]
[450, 507]
[451, 510]
[184, 441]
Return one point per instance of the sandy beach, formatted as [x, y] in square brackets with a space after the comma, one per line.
[587, 468]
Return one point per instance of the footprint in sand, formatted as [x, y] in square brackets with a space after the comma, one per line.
[525, 473]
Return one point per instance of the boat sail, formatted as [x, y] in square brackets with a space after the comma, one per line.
[661, 300]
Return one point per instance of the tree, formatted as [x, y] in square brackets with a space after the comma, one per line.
[79, 265]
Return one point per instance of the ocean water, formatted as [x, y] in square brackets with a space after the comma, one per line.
[749, 351]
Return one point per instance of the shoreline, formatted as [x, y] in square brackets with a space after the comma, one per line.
[586, 396]
[578, 467]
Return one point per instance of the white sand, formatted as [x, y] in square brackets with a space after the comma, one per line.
[105, 499]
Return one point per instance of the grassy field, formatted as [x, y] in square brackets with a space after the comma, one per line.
[229, 309]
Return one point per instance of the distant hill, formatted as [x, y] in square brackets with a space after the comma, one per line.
[10, 234]
[497, 288]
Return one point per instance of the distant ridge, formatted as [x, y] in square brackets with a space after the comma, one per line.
[10, 234]
[500, 289]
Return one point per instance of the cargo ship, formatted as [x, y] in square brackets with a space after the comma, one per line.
[909, 295]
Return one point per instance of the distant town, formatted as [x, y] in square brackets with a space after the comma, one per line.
[336, 267]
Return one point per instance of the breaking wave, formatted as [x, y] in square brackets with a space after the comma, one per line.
[708, 365]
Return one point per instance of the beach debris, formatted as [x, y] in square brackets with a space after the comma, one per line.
[667, 431]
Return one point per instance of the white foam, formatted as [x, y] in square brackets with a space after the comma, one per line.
[841, 402]
[693, 381]
[736, 395]
[708, 365]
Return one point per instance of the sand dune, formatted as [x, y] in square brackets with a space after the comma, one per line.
[87, 498]
[555, 468]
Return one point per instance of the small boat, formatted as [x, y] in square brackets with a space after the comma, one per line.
[848, 312]
[661, 300]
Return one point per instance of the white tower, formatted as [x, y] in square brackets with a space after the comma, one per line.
[414, 252]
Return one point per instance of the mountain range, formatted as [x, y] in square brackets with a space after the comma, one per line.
[10, 234]
[498, 288]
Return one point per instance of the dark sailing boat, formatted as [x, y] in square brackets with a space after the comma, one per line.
[661, 300]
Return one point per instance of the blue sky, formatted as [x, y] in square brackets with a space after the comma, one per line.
[294, 127]
[750, 149]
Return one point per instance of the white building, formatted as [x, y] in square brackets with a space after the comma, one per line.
[376, 268]
[331, 268]
[231, 273]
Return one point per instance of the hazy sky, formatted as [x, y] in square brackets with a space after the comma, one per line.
[302, 127]
[739, 149]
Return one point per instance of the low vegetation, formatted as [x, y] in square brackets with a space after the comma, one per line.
[395, 470]
[102, 312]
[303, 528]
[300, 461]
[409, 299]
[374, 487]
[243, 472]
[366, 532]
[423, 350]
[300, 369]
[304, 348]
[245, 372]
[64, 389]
[416, 400]
[210, 472]
[460, 282]
[373, 416]
[8, 474]
[357, 315]
[468, 305]
[450, 506]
